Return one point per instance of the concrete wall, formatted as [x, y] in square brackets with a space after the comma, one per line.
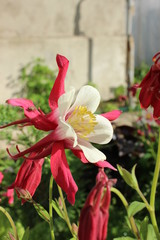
[90, 33]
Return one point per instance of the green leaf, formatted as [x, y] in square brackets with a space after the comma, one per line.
[129, 178]
[42, 212]
[124, 238]
[135, 207]
[26, 234]
[144, 228]
[151, 233]
[56, 207]
[128, 222]
[134, 174]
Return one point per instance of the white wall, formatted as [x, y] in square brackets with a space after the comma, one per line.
[90, 33]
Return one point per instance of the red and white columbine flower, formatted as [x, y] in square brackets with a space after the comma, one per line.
[72, 123]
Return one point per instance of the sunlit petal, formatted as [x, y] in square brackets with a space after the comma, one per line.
[91, 153]
[65, 131]
[87, 96]
[103, 131]
[65, 102]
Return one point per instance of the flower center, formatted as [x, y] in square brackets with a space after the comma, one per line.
[82, 121]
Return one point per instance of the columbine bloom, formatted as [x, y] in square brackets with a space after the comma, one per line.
[29, 176]
[95, 213]
[71, 124]
[150, 88]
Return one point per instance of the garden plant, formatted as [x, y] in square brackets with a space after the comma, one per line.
[66, 138]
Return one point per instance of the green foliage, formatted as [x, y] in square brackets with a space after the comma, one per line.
[40, 231]
[119, 91]
[124, 238]
[4, 225]
[8, 114]
[26, 234]
[140, 72]
[37, 79]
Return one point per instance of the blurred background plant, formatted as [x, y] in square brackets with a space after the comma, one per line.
[135, 141]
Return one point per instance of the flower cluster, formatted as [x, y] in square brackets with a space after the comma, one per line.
[71, 124]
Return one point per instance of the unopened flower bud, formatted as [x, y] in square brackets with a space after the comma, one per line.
[24, 194]
[60, 203]
[75, 228]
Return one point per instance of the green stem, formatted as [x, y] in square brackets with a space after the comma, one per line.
[131, 219]
[153, 190]
[11, 222]
[65, 210]
[50, 208]
[153, 151]
[143, 199]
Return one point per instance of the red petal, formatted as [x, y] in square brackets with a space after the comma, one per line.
[29, 175]
[105, 164]
[156, 106]
[113, 115]
[58, 87]
[101, 164]
[61, 172]
[34, 177]
[30, 110]
[38, 147]
[21, 102]
[79, 154]
[44, 153]
[37, 118]
[145, 97]
[146, 79]
[22, 121]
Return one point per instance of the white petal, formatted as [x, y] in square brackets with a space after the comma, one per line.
[103, 131]
[65, 101]
[91, 153]
[65, 131]
[87, 96]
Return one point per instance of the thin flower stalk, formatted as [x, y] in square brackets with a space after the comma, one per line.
[50, 208]
[131, 219]
[11, 222]
[153, 190]
[65, 210]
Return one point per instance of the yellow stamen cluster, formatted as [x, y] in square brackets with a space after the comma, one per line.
[82, 121]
